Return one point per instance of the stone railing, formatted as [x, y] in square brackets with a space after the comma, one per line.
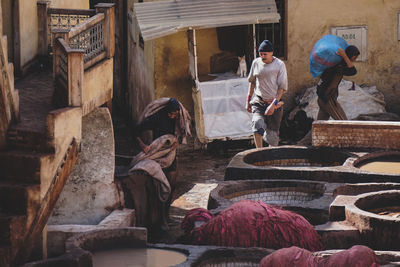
[76, 51]
[50, 19]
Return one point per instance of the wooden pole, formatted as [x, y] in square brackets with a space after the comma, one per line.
[43, 40]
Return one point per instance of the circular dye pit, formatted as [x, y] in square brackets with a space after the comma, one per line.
[377, 214]
[277, 196]
[392, 211]
[380, 162]
[307, 198]
[221, 262]
[272, 192]
[223, 257]
[128, 257]
[296, 157]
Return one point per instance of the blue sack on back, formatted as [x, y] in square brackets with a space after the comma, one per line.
[323, 55]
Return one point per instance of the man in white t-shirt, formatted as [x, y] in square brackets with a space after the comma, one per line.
[267, 83]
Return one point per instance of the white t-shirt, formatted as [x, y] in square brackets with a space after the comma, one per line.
[268, 77]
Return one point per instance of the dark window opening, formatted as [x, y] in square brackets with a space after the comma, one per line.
[238, 40]
[275, 32]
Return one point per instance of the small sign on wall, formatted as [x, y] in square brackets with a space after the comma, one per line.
[354, 35]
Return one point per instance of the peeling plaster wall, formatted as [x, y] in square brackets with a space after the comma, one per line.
[309, 20]
[28, 25]
[70, 4]
[6, 8]
[171, 59]
[140, 69]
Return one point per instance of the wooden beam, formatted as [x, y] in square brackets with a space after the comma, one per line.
[43, 40]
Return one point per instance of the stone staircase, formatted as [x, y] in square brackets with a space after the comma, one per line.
[27, 196]
[38, 149]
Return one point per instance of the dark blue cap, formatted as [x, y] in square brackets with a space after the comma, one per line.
[266, 46]
[173, 105]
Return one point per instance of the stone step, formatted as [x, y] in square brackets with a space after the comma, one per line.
[19, 198]
[12, 229]
[27, 139]
[20, 166]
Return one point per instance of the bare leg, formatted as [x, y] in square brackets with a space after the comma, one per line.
[258, 140]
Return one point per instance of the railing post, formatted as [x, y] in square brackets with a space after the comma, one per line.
[108, 27]
[58, 33]
[43, 45]
[75, 77]
[1, 22]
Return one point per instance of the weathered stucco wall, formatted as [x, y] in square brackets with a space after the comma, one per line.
[6, 10]
[308, 21]
[70, 4]
[172, 78]
[140, 68]
[28, 25]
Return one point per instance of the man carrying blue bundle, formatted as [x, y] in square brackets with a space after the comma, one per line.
[268, 81]
[327, 87]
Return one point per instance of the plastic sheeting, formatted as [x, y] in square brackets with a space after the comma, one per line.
[223, 103]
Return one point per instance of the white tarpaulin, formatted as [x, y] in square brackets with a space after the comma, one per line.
[223, 103]
[357, 101]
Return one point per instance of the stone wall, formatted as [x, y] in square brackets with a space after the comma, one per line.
[356, 134]
[90, 193]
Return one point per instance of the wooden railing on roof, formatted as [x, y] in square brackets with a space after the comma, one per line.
[77, 50]
[50, 19]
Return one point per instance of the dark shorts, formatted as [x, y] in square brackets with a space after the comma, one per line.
[261, 122]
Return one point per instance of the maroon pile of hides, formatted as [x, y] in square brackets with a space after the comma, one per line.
[249, 223]
[355, 256]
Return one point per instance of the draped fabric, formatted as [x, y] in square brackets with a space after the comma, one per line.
[297, 257]
[182, 127]
[161, 155]
[253, 224]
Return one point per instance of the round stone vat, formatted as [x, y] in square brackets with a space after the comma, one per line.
[125, 257]
[377, 215]
[125, 247]
[118, 247]
[387, 162]
[293, 162]
[234, 257]
[296, 157]
[307, 198]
